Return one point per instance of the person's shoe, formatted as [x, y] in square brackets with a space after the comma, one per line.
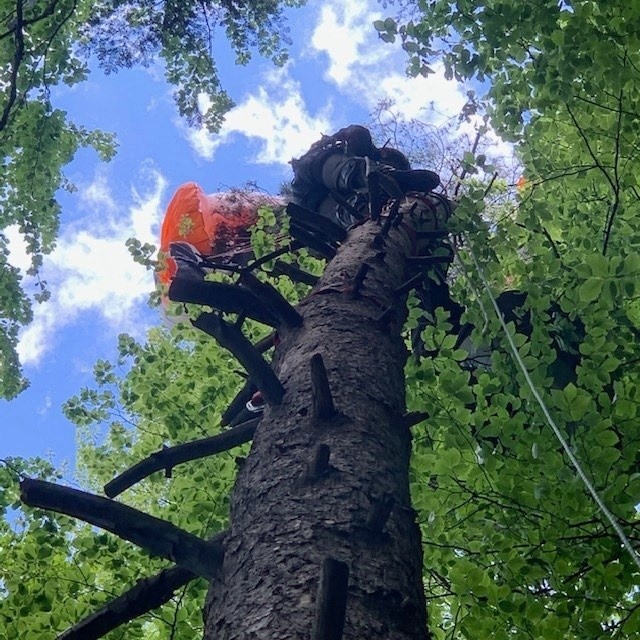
[189, 261]
[420, 180]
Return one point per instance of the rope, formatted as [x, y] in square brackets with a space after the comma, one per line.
[565, 445]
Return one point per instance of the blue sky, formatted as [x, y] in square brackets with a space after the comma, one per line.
[337, 73]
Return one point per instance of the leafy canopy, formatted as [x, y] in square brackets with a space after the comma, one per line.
[514, 547]
[44, 43]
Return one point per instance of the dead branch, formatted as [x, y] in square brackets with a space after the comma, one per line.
[221, 296]
[297, 275]
[331, 601]
[413, 418]
[157, 536]
[309, 240]
[293, 246]
[172, 456]
[238, 403]
[314, 221]
[148, 594]
[276, 304]
[257, 367]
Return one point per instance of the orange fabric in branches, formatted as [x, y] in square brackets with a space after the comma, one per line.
[211, 223]
[183, 219]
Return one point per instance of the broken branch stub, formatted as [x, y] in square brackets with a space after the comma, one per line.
[380, 511]
[331, 601]
[319, 463]
[323, 407]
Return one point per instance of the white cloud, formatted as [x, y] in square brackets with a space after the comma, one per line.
[274, 116]
[344, 32]
[97, 194]
[363, 67]
[18, 255]
[91, 269]
[370, 71]
[42, 410]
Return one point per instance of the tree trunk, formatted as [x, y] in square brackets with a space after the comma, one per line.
[287, 515]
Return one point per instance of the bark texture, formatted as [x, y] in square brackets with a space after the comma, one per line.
[284, 521]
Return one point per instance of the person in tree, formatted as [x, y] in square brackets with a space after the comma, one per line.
[336, 168]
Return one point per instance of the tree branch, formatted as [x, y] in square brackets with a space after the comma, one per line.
[276, 304]
[594, 157]
[307, 239]
[616, 191]
[238, 403]
[15, 66]
[157, 536]
[172, 456]
[314, 220]
[149, 593]
[257, 367]
[224, 297]
[294, 273]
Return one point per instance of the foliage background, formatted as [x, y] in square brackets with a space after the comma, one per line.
[514, 546]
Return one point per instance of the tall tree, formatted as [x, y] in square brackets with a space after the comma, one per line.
[44, 43]
[514, 545]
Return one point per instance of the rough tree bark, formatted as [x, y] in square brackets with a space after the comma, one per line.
[284, 522]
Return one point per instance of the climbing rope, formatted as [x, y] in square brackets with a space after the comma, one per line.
[565, 445]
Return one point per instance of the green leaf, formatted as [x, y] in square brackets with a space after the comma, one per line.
[590, 289]
[607, 438]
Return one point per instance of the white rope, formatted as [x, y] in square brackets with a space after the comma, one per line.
[565, 445]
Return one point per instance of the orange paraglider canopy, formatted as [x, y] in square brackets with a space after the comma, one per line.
[213, 224]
